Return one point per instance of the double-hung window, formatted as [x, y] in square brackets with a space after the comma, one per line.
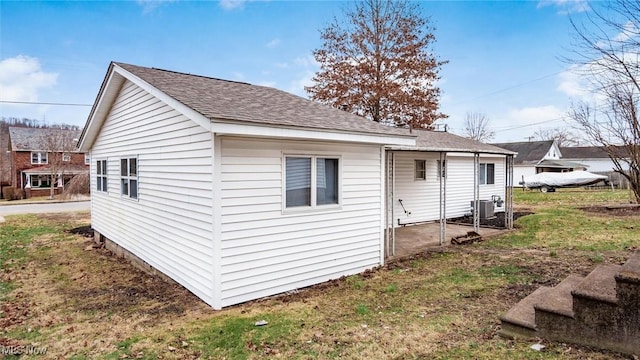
[487, 174]
[420, 170]
[101, 175]
[311, 181]
[129, 177]
[39, 157]
[87, 159]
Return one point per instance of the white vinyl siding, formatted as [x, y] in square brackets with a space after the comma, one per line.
[267, 250]
[170, 226]
[421, 199]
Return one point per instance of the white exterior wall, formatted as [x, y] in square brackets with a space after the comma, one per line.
[596, 165]
[421, 197]
[267, 249]
[170, 225]
[520, 171]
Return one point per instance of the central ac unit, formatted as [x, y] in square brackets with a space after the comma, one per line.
[486, 208]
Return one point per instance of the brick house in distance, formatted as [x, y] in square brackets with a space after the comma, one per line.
[33, 159]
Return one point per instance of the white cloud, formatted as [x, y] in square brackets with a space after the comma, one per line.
[281, 65]
[296, 86]
[306, 61]
[273, 43]
[232, 4]
[531, 115]
[566, 7]
[21, 79]
[572, 83]
[149, 6]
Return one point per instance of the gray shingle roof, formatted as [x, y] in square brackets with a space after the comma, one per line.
[584, 152]
[34, 139]
[529, 152]
[446, 141]
[218, 99]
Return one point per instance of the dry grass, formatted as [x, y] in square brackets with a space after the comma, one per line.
[81, 302]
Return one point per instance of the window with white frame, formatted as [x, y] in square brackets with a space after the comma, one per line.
[39, 157]
[101, 175]
[87, 159]
[129, 177]
[487, 173]
[40, 181]
[66, 157]
[311, 181]
[420, 170]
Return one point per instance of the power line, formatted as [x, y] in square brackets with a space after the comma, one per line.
[42, 103]
[509, 88]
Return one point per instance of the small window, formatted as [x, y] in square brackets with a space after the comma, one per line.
[487, 174]
[39, 157]
[129, 177]
[101, 175]
[87, 159]
[66, 157]
[303, 189]
[420, 168]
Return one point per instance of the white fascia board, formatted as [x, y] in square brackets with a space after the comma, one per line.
[225, 128]
[469, 151]
[105, 99]
[175, 104]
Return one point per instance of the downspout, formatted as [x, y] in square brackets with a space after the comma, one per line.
[393, 193]
[476, 192]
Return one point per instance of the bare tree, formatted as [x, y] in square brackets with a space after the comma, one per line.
[476, 127]
[608, 54]
[562, 136]
[379, 64]
[59, 145]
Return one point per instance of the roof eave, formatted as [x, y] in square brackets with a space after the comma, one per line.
[255, 129]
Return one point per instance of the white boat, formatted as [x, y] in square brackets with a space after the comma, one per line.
[548, 181]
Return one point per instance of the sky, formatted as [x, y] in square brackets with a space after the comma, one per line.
[504, 57]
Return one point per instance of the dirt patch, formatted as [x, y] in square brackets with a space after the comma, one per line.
[85, 231]
[614, 210]
[497, 221]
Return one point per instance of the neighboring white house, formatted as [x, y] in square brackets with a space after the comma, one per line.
[239, 191]
[536, 157]
[595, 157]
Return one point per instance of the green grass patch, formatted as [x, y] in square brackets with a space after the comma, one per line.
[239, 337]
[569, 228]
[15, 236]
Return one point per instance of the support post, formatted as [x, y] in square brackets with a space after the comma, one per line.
[508, 191]
[442, 176]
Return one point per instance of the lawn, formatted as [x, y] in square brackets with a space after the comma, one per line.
[66, 299]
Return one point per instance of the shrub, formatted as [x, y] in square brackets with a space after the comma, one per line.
[79, 185]
[12, 193]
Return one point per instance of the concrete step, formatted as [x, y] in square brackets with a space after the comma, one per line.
[599, 285]
[519, 321]
[559, 300]
[630, 271]
[628, 292]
